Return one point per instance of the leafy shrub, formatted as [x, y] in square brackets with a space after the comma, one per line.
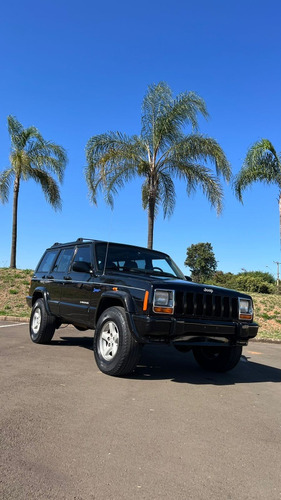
[253, 284]
[252, 281]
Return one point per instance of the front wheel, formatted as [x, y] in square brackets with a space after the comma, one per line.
[116, 351]
[218, 359]
[41, 326]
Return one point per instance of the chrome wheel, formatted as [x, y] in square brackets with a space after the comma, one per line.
[109, 340]
[36, 320]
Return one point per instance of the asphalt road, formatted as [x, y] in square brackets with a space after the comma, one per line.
[169, 431]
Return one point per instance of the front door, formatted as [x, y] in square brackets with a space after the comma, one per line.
[77, 290]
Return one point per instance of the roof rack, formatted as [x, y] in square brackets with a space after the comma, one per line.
[79, 240]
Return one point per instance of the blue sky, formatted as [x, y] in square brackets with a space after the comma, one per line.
[79, 69]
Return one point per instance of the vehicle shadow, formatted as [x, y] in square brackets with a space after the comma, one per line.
[158, 363]
[164, 362]
[85, 342]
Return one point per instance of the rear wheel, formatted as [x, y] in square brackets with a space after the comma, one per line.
[218, 359]
[41, 326]
[116, 351]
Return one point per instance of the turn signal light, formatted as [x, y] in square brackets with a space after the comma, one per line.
[245, 316]
[166, 310]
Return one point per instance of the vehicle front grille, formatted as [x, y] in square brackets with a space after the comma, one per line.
[206, 305]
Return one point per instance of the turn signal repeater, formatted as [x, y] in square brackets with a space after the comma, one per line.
[145, 301]
[164, 301]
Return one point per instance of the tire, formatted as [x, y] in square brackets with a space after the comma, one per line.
[41, 325]
[218, 359]
[116, 351]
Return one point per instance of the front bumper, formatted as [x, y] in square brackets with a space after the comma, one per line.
[148, 329]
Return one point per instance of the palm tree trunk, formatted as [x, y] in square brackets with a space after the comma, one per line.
[151, 216]
[15, 222]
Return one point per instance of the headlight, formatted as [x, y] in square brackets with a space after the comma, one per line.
[164, 301]
[245, 309]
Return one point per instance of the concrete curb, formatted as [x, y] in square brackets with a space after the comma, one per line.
[19, 319]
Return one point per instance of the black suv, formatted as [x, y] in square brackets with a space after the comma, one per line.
[132, 296]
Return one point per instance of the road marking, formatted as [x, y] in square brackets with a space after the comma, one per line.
[254, 352]
[14, 324]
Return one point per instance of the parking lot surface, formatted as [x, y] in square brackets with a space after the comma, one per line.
[169, 431]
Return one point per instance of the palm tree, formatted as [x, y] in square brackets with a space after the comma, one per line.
[262, 163]
[31, 157]
[161, 151]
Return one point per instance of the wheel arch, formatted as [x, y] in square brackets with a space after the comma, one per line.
[41, 293]
[111, 299]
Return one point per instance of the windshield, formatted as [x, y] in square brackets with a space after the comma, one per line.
[128, 259]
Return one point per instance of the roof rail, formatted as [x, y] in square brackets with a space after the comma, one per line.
[79, 240]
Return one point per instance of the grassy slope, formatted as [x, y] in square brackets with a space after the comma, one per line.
[14, 285]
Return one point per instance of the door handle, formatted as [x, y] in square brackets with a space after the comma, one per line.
[68, 278]
[50, 277]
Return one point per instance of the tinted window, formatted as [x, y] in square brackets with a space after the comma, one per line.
[100, 255]
[134, 259]
[64, 260]
[83, 254]
[47, 262]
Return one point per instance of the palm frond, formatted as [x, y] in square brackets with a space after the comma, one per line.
[5, 183]
[262, 163]
[196, 175]
[49, 186]
[167, 193]
[156, 101]
[163, 117]
[16, 132]
[48, 156]
[199, 148]
[113, 159]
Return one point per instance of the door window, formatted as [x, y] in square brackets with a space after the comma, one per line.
[64, 260]
[47, 261]
[83, 254]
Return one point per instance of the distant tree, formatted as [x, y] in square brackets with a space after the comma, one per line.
[201, 261]
[262, 163]
[160, 153]
[31, 157]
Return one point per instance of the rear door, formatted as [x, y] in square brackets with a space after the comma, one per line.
[45, 276]
[59, 274]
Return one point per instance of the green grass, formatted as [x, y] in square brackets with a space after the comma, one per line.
[14, 285]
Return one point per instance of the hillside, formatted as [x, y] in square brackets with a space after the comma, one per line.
[14, 285]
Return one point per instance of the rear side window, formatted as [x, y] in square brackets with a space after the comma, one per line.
[100, 255]
[83, 254]
[64, 260]
[47, 262]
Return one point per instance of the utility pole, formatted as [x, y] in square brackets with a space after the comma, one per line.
[278, 281]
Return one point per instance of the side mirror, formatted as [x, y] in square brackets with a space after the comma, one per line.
[82, 267]
[188, 278]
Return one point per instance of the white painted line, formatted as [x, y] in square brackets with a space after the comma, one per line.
[14, 324]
